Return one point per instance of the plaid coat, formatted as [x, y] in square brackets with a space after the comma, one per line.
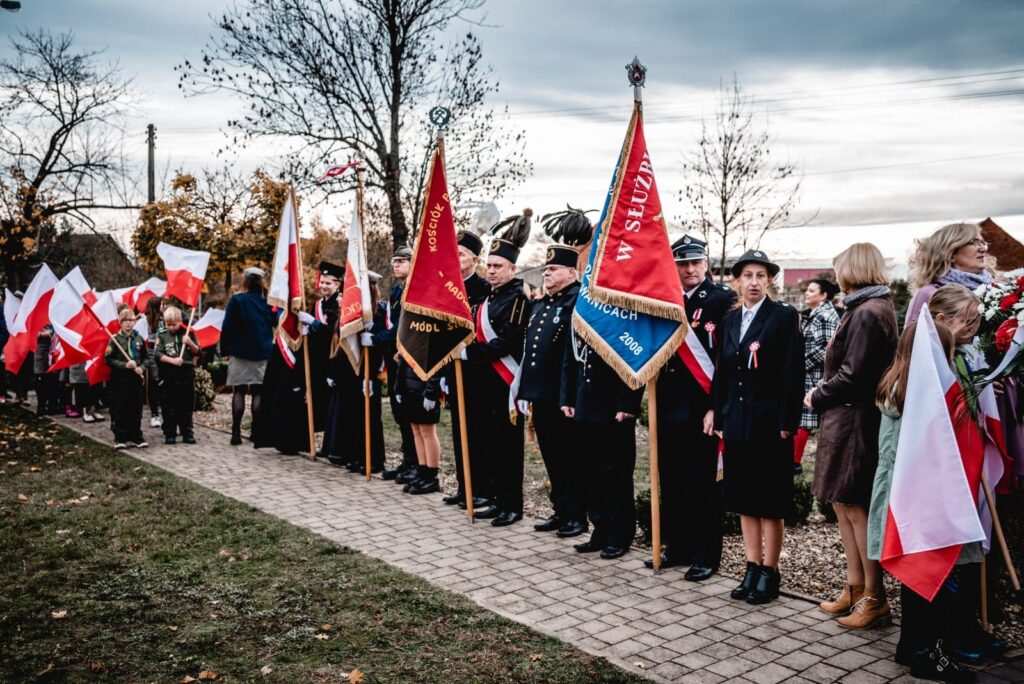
[818, 328]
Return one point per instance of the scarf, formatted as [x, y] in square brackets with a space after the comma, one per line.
[972, 281]
[865, 293]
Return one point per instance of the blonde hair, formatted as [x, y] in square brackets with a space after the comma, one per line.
[172, 314]
[952, 301]
[125, 313]
[933, 255]
[860, 265]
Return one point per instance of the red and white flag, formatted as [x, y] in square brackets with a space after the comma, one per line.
[335, 171]
[285, 292]
[82, 337]
[186, 271]
[11, 305]
[137, 296]
[207, 328]
[105, 309]
[933, 503]
[32, 315]
[356, 314]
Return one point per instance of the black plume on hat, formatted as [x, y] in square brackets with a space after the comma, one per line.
[514, 232]
[570, 227]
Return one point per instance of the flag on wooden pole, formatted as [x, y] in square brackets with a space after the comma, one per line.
[286, 291]
[356, 310]
[33, 313]
[436, 319]
[207, 328]
[186, 271]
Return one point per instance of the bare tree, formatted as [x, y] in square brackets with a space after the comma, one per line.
[337, 80]
[735, 192]
[61, 114]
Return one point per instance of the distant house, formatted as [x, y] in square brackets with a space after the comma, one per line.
[104, 264]
[1007, 250]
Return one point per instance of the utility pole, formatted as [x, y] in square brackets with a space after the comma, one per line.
[151, 145]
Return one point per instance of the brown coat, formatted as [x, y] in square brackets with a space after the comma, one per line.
[860, 352]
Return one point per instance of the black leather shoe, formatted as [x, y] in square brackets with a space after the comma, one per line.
[549, 525]
[699, 573]
[589, 546]
[425, 487]
[573, 528]
[188, 439]
[667, 561]
[236, 438]
[506, 518]
[353, 466]
[478, 502]
[390, 474]
[486, 512]
[169, 440]
[336, 461]
[767, 587]
[936, 665]
[454, 499]
[613, 552]
[407, 476]
[741, 592]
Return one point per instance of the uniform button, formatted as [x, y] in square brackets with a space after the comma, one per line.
[534, 346]
[532, 363]
[741, 398]
[588, 379]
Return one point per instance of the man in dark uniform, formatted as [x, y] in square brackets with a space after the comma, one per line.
[385, 338]
[605, 410]
[495, 442]
[477, 290]
[322, 324]
[691, 494]
[547, 334]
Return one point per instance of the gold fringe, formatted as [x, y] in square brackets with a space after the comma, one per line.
[425, 375]
[459, 321]
[633, 380]
[644, 305]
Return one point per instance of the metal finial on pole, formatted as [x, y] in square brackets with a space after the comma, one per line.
[637, 75]
[440, 116]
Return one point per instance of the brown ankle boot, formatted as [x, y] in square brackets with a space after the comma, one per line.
[841, 606]
[872, 610]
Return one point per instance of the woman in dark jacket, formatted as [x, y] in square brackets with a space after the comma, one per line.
[246, 338]
[759, 379]
[419, 401]
[844, 470]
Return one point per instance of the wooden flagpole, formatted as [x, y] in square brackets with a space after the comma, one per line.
[305, 340]
[652, 445]
[366, 408]
[188, 331]
[464, 439]
[997, 529]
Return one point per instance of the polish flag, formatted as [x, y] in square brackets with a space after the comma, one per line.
[142, 327]
[105, 310]
[82, 337]
[356, 313]
[933, 504]
[186, 271]
[286, 292]
[77, 280]
[140, 294]
[207, 329]
[31, 317]
[11, 305]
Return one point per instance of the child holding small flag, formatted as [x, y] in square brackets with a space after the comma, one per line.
[178, 376]
[126, 382]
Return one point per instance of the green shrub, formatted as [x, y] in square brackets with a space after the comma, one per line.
[643, 513]
[825, 508]
[205, 390]
[803, 501]
[643, 411]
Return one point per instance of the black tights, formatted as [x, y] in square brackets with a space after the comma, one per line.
[238, 404]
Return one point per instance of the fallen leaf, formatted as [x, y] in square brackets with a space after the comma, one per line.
[61, 533]
[51, 463]
[12, 463]
[224, 553]
[321, 636]
[355, 677]
[44, 670]
[59, 614]
[326, 627]
[52, 502]
[265, 670]
[215, 602]
[97, 667]
[187, 678]
[22, 497]
[641, 665]
[173, 628]
[535, 657]
[35, 469]
[207, 676]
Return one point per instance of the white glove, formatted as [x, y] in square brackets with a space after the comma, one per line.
[398, 398]
[366, 339]
[364, 389]
[523, 406]
[305, 318]
[429, 404]
[330, 382]
[463, 355]
[303, 329]
[444, 386]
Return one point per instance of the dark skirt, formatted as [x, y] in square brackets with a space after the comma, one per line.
[759, 477]
[413, 411]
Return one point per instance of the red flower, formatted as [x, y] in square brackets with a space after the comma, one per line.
[1009, 300]
[1020, 281]
[1005, 333]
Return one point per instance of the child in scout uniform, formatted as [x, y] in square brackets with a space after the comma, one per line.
[177, 376]
[126, 355]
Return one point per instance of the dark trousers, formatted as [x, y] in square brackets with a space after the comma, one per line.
[495, 444]
[177, 395]
[344, 435]
[508, 464]
[558, 441]
[48, 393]
[126, 393]
[460, 473]
[153, 390]
[691, 499]
[610, 452]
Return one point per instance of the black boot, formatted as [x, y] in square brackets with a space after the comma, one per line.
[416, 474]
[749, 580]
[767, 587]
[408, 475]
[936, 665]
[236, 437]
[427, 484]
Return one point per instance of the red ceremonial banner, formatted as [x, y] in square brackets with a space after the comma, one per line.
[633, 267]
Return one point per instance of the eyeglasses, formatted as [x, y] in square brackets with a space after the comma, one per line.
[978, 242]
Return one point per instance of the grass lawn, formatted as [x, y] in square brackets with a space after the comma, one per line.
[113, 570]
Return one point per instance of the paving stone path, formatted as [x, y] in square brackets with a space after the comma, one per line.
[662, 628]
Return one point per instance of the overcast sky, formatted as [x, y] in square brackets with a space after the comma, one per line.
[897, 111]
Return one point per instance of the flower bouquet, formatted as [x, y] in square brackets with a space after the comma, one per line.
[1001, 334]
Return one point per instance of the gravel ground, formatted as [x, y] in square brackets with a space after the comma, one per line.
[812, 558]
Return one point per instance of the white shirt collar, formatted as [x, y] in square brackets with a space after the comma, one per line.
[691, 291]
[754, 309]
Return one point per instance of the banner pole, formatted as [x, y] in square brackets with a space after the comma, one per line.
[188, 331]
[997, 528]
[366, 408]
[652, 446]
[305, 339]
[464, 439]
